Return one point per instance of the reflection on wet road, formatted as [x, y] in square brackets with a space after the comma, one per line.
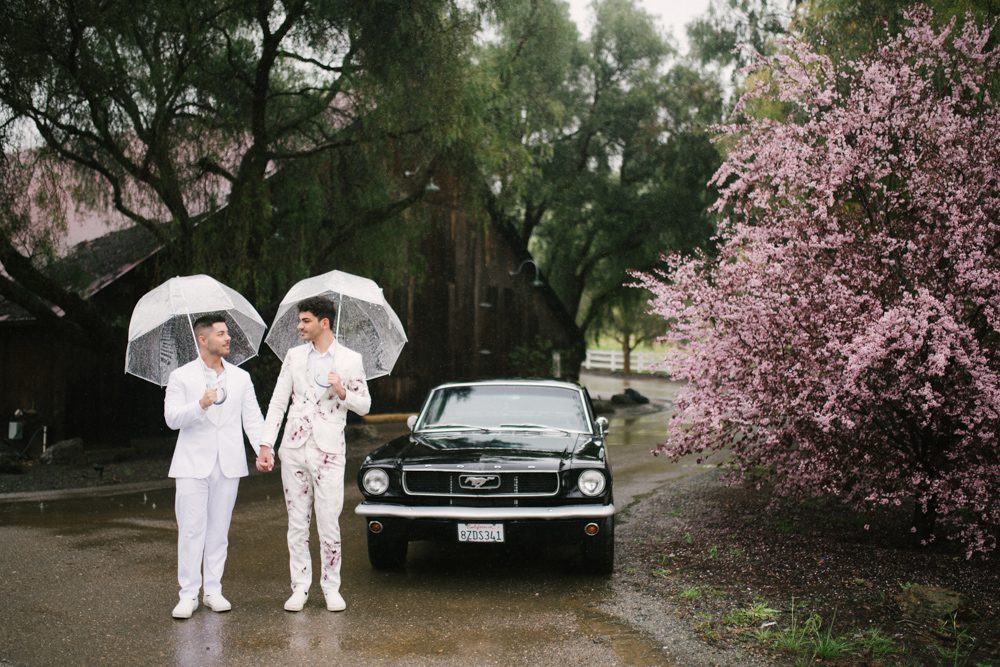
[92, 581]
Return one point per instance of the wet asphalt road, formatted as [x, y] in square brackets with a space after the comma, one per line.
[92, 582]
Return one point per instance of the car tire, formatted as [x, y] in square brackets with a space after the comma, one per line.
[386, 553]
[599, 551]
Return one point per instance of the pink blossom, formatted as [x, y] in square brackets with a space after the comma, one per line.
[845, 336]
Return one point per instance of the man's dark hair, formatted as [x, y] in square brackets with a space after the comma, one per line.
[322, 308]
[204, 324]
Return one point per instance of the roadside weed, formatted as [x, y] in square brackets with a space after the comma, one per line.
[703, 626]
[753, 614]
[827, 645]
[795, 638]
[875, 643]
[687, 538]
[689, 594]
[661, 572]
[713, 553]
[957, 654]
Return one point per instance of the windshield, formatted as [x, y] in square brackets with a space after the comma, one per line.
[513, 407]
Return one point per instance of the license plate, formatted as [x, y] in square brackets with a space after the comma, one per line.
[480, 532]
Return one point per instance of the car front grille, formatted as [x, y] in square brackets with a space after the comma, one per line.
[480, 485]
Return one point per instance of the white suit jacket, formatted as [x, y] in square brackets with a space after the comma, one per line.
[315, 410]
[214, 433]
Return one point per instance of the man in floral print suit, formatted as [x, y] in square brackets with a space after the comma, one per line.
[322, 380]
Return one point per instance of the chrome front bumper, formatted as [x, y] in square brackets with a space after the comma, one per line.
[484, 513]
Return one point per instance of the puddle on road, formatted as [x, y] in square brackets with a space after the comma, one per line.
[634, 648]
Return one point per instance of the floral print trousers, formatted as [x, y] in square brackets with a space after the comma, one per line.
[312, 477]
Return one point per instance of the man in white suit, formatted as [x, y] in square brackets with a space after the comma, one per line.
[209, 401]
[323, 380]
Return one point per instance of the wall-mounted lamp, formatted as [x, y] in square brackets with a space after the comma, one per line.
[537, 282]
[432, 186]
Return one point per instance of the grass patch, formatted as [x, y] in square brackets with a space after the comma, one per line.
[689, 594]
[809, 641]
[875, 643]
[753, 614]
[959, 642]
[705, 628]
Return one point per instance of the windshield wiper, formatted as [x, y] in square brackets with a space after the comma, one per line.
[538, 426]
[465, 427]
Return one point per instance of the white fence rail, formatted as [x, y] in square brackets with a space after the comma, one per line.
[614, 360]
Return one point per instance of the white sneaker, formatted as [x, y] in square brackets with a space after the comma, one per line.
[297, 601]
[217, 602]
[185, 608]
[335, 601]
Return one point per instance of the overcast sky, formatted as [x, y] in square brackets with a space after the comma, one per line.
[672, 15]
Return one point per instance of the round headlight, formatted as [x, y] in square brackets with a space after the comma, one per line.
[591, 482]
[375, 481]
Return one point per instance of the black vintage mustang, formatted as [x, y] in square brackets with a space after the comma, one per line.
[493, 461]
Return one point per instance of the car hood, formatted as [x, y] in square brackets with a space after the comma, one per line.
[502, 447]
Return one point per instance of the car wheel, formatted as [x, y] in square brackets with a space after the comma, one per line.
[386, 553]
[599, 550]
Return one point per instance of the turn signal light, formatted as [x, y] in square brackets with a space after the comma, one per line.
[592, 529]
[375, 526]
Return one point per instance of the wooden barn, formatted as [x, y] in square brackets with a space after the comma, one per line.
[482, 310]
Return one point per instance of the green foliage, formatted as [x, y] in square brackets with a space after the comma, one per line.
[846, 29]
[533, 359]
[185, 117]
[731, 29]
[599, 159]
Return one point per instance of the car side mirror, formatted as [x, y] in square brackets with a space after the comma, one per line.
[602, 425]
[411, 421]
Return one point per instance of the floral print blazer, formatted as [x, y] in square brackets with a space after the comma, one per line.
[312, 409]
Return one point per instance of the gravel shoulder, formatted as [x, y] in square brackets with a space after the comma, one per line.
[761, 582]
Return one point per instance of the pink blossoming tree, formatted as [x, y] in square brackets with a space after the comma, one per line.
[846, 337]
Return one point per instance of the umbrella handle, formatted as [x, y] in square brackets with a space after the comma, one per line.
[340, 305]
[220, 395]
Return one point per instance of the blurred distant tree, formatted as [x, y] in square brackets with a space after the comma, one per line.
[731, 31]
[846, 29]
[629, 323]
[601, 155]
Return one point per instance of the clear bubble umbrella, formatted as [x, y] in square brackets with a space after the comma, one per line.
[161, 331]
[365, 321]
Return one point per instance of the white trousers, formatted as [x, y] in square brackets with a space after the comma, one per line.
[311, 476]
[204, 508]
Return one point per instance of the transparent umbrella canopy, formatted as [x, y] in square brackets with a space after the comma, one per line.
[161, 333]
[365, 321]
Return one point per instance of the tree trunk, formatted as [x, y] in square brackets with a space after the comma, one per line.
[627, 356]
[924, 522]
